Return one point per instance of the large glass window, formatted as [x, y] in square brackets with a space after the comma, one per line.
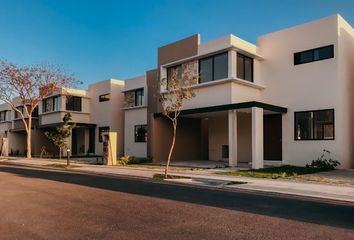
[17, 115]
[213, 68]
[100, 131]
[73, 103]
[134, 98]
[312, 55]
[244, 67]
[50, 104]
[314, 125]
[141, 133]
[2, 116]
[174, 70]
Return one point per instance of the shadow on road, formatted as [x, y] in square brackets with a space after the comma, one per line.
[277, 206]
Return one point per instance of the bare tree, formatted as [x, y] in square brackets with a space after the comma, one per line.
[177, 90]
[30, 84]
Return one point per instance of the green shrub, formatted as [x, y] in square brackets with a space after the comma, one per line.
[324, 162]
[125, 160]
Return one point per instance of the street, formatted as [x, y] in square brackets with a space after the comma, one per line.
[50, 204]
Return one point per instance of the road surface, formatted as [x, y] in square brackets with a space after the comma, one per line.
[48, 204]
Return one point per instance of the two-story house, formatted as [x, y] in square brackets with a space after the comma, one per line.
[281, 101]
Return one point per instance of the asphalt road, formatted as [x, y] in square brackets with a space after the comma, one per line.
[46, 204]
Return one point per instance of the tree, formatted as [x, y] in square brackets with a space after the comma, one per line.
[178, 89]
[30, 84]
[59, 135]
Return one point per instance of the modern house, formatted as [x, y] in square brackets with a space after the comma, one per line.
[280, 101]
[96, 110]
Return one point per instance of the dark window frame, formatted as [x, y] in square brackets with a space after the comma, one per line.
[136, 138]
[313, 125]
[212, 66]
[168, 72]
[44, 104]
[71, 106]
[136, 97]
[297, 62]
[3, 115]
[244, 67]
[102, 130]
[104, 98]
[16, 114]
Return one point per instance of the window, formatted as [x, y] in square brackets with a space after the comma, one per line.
[134, 98]
[141, 133]
[244, 67]
[73, 103]
[213, 68]
[50, 104]
[314, 125]
[2, 116]
[312, 55]
[17, 115]
[139, 95]
[174, 70]
[100, 131]
[104, 97]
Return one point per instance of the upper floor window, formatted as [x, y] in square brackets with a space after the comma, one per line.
[312, 55]
[314, 125]
[3, 116]
[17, 114]
[174, 70]
[73, 103]
[50, 104]
[104, 97]
[213, 68]
[134, 98]
[244, 67]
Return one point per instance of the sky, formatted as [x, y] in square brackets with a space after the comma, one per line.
[102, 39]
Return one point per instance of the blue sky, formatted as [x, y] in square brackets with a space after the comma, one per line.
[119, 39]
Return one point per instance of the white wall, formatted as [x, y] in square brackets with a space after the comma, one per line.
[310, 86]
[134, 117]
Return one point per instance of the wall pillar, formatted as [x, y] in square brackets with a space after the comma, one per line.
[232, 64]
[257, 138]
[232, 138]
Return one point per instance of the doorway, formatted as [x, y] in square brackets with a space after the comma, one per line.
[272, 137]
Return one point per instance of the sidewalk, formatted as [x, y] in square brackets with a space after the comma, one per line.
[206, 178]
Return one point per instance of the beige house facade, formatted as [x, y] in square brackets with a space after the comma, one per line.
[280, 101]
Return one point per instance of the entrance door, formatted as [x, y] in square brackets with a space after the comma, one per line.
[272, 137]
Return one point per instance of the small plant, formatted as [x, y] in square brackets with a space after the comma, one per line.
[125, 160]
[324, 162]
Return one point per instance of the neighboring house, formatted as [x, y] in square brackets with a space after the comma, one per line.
[96, 110]
[283, 100]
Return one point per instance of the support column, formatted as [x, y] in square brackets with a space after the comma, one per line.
[257, 138]
[232, 64]
[232, 138]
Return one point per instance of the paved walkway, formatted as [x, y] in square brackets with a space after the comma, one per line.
[206, 178]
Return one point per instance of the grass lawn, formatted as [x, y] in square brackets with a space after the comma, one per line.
[63, 166]
[285, 171]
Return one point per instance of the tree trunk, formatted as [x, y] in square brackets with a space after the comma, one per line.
[28, 130]
[60, 153]
[172, 147]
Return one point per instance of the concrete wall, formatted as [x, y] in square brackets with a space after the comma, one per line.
[108, 113]
[134, 117]
[310, 86]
